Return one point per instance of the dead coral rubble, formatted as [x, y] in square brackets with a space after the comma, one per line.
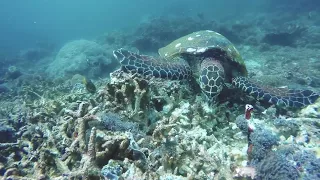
[176, 136]
[68, 138]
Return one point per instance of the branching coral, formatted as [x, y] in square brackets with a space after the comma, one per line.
[191, 152]
[125, 95]
[135, 127]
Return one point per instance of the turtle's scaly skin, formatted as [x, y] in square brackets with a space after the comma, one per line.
[211, 78]
[213, 60]
[277, 96]
[196, 48]
[149, 66]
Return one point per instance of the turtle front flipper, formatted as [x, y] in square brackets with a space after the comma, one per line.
[149, 66]
[278, 96]
[211, 78]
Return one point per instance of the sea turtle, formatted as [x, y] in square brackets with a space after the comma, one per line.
[213, 61]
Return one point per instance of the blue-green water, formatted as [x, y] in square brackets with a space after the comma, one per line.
[23, 23]
[227, 89]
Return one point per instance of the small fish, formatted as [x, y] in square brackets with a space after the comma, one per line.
[91, 88]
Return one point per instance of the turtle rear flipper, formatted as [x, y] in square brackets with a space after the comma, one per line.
[278, 96]
[149, 66]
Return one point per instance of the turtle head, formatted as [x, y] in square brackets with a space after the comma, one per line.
[211, 78]
[219, 60]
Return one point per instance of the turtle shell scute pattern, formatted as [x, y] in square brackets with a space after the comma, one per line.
[150, 66]
[201, 42]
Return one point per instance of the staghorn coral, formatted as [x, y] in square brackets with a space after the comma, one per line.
[43, 149]
[112, 146]
[171, 147]
[61, 135]
[139, 98]
[186, 152]
[125, 94]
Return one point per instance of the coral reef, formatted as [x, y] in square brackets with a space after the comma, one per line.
[35, 54]
[285, 169]
[136, 127]
[4, 88]
[80, 57]
[114, 122]
[156, 32]
[278, 156]
[78, 133]
[284, 38]
[112, 170]
[311, 111]
[149, 37]
[152, 36]
[140, 128]
[262, 140]
[12, 73]
[7, 134]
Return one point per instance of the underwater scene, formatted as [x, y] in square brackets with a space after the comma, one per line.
[160, 90]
